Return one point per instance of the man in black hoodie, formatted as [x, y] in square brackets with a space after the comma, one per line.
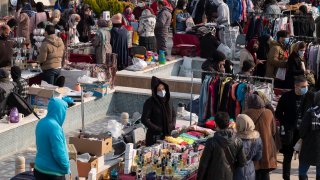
[223, 152]
[158, 113]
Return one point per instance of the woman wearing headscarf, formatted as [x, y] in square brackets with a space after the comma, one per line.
[40, 16]
[263, 50]
[147, 23]
[252, 146]
[55, 17]
[249, 53]
[158, 113]
[73, 32]
[128, 15]
[265, 125]
[101, 41]
[296, 65]
[84, 27]
[119, 42]
[180, 15]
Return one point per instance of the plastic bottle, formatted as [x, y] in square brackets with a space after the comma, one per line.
[162, 57]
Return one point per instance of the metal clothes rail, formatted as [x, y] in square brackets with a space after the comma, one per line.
[271, 80]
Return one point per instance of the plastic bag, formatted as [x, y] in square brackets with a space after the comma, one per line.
[225, 50]
[139, 64]
[281, 73]
[185, 70]
[115, 128]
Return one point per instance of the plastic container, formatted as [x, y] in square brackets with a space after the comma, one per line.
[162, 57]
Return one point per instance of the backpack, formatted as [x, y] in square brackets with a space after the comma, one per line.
[15, 100]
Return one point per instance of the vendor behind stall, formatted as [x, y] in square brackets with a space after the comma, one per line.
[180, 16]
[50, 55]
[6, 46]
[215, 64]
[101, 41]
[158, 113]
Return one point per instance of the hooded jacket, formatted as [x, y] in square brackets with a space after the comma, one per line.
[214, 163]
[158, 114]
[147, 24]
[265, 125]
[52, 156]
[276, 59]
[51, 53]
[223, 12]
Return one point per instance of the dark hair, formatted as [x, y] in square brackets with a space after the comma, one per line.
[50, 29]
[12, 22]
[41, 25]
[218, 56]
[247, 65]
[161, 2]
[282, 34]
[40, 7]
[303, 9]
[181, 3]
[300, 79]
[301, 45]
[126, 7]
[222, 120]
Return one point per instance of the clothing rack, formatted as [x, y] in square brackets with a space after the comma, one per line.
[305, 38]
[271, 80]
[266, 14]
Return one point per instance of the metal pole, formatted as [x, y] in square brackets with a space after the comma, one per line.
[191, 98]
[82, 109]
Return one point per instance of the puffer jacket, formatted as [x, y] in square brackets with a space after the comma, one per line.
[276, 59]
[51, 53]
[147, 25]
[214, 163]
[163, 22]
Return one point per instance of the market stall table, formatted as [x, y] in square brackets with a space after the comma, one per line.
[87, 58]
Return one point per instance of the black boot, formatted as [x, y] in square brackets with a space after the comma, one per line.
[303, 177]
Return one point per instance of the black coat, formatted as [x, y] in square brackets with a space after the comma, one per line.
[158, 114]
[286, 113]
[214, 164]
[294, 68]
[84, 27]
[310, 149]
[119, 43]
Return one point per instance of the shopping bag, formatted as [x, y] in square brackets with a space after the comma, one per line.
[281, 73]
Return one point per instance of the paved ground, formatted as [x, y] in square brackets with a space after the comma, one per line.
[7, 165]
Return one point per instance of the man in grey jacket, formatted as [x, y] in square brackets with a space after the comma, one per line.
[162, 26]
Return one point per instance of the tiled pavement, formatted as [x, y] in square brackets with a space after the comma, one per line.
[7, 165]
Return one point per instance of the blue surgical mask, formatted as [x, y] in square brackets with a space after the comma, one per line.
[301, 53]
[286, 40]
[161, 93]
[304, 90]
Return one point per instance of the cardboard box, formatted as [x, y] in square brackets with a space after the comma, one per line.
[40, 96]
[72, 152]
[99, 90]
[95, 147]
[84, 168]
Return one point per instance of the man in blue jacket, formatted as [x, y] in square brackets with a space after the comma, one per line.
[52, 159]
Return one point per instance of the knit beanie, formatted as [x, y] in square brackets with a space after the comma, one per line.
[116, 19]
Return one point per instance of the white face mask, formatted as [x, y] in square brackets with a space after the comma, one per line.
[184, 7]
[161, 93]
[301, 53]
[141, 5]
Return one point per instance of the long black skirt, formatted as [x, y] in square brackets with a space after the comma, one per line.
[148, 42]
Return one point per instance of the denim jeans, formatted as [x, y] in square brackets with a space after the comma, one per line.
[303, 169]
[50, 75]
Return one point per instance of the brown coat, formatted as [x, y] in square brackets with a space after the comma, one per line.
[265, 125]
[23, 26]
[276, 59]
[51, 52]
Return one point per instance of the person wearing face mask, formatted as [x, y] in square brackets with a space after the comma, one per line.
[290, 110]
[180, 15]
[296, 65]
[6, 46]
[277, 57]
[249, 53]
[128, 15]
[73, 32]
[158, 115]
[141, 6]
